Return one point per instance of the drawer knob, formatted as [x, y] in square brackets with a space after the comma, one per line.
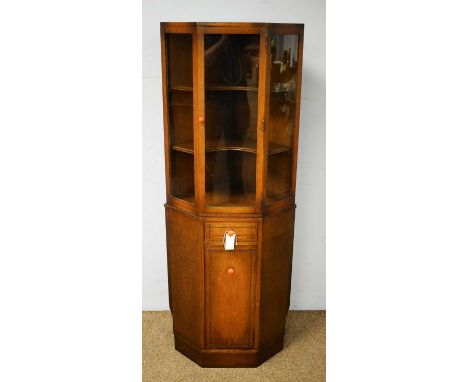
[230, 271]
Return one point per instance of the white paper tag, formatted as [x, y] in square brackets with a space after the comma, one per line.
[229, 242]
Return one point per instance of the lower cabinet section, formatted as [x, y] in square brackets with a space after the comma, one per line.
[229, 307]
[230, 278]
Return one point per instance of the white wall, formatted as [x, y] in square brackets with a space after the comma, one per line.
[308, 278]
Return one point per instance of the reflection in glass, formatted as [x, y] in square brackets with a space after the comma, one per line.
[282, 113]
[231, 108]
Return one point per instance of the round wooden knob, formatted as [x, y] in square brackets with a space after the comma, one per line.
[230, 271]
[201, 119]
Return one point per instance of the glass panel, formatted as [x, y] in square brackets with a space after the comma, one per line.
[231, 103]
[180, 103]
[282, 114]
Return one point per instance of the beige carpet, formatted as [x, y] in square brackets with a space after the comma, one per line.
[302, 359]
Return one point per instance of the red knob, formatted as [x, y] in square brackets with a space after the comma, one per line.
[230, 271]
[201, 119]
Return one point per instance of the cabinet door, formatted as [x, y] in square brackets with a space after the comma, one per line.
[230, 297]
[232, 88]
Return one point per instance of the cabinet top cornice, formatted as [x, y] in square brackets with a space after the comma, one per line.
[231, 24]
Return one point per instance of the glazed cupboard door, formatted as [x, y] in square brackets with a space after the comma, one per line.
[233, 85]
[178, 67]
[230, 297]
[282, 117]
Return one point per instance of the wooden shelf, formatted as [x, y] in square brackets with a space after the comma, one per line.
[186, 147]
[215, 87]
[224, 196]
[231, 144]
[271, 199]
[184, 88]
[186, 198]
[274, 148]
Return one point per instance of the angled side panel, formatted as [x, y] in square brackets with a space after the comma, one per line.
[185, 257]
[275, 279]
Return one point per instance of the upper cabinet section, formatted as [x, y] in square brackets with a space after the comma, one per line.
[231, 102]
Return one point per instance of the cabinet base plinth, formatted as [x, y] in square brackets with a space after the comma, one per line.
[225, 357]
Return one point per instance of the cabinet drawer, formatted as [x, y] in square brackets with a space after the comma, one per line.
[246, 232]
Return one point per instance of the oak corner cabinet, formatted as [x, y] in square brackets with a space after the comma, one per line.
[231, 94]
